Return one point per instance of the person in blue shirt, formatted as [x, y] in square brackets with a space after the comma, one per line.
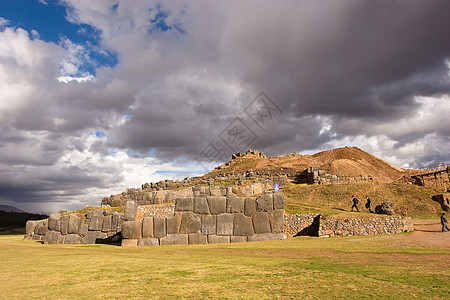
[369, 204]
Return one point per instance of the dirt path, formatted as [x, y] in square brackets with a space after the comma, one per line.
[427, 233]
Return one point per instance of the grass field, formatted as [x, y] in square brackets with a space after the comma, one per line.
[374, 267]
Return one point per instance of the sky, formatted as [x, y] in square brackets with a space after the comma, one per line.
[99, 96]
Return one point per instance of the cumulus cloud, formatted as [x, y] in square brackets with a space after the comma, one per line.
[374, 74]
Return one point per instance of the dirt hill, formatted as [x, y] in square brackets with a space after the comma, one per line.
[350, 161]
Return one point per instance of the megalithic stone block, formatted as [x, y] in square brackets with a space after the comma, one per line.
[266, 237]
[190, 222]
[130, 210]
[174, 239]
[148, 242]
[107, 223]
[184, 204]
[174, 223]
[249, 207]
[238, 239]
[264, 202]
[129, 242]
[278, 201]
[74, 224]
[277, 220]
[54, 237]
[72, 238]
[218, 239]
[84, 227]
[225, 224]
[53, 221]
[243, 226]
[235, 204]
[132, 229]
[64, 224]
[159, 227]
[29, 227]
[96, 221]
[217, 204]
[201, 205]
[208, 224]
[147, 227]
[197, 238]
[261, 222]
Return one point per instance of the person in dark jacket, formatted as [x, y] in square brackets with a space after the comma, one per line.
[444, 222]
[369, 204]
[355, 203]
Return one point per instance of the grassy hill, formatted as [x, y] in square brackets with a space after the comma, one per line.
[335, 199]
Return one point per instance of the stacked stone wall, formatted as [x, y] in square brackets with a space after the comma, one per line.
[314, 175]
[210, 219]
[97, 226]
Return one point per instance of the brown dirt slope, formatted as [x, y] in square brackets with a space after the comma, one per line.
[350, 161]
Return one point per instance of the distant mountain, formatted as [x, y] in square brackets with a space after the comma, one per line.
[9, 208]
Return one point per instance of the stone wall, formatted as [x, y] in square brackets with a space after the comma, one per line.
[209, 219]
[97, 226]
[318, 225]
[314, 175]
[382, 225]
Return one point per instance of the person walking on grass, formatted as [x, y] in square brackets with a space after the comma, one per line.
[369, 204]
[355, 203]
[444, 222]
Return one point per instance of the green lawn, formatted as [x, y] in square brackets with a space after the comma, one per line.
[371, 267]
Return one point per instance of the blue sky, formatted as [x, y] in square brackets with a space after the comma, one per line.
[99, 96]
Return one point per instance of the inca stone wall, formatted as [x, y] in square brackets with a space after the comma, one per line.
[318, 225]
[313, 175]
[209, 219]
[94, 227]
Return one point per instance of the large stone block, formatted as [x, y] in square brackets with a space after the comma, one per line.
[30, 226]
[53, 221]
[54, 237]
[243, 225]
[261, 222]
[107, 223]
[42, 228]
[235, 204]
[249, 207]
[238, 239]
[115, 221]
[84, 227]
[132, 229]
[225, 224]
[174, 223]
[147, 227]
[218, 239]
[208, 224]
[130, 210]
[116, 202]
[74, 224]
[184, 204]
[159, 227]
[94, 237]
[201, 205]
[174, 239]
[277, 221]
[72, 238]
[217, 205]
[148, 242]
[278, 201]
[266, 237]
[129, 243]
[264, 202]
[197, 238]
[64, 224]
[96, 221]
[190, 222]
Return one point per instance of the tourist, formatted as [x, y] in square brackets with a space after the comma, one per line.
[355, 203]
[369, 204]
[444, 222]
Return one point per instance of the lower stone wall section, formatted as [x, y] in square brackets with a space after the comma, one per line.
[354, 226]
[318, 225]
